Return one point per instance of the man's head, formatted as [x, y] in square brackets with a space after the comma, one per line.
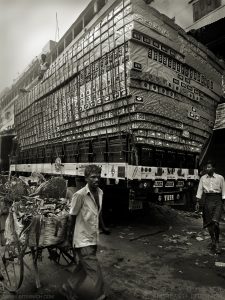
[43, 57]
[210, 167]
[92, 175]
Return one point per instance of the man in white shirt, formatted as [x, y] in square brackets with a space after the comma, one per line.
[213, 187]
[85, 212]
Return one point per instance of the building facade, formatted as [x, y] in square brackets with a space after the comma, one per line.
[23, 84]
[206, 12]
[209, 29]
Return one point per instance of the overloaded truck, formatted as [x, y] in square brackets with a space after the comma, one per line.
[127, 89]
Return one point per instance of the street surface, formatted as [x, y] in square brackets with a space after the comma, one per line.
[160, 255]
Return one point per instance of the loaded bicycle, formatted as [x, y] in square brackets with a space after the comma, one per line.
[35, 223]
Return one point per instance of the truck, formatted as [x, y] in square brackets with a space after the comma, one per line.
[129, 90]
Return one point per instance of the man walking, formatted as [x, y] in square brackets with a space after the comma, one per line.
[86, 282]
[213, 187]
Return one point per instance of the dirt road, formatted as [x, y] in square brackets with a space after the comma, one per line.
[160, 255]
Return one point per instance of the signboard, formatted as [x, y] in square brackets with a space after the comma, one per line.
[220, 117]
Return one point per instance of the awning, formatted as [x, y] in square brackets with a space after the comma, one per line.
[11, 133]
[212, 36]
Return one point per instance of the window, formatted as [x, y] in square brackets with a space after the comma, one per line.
[217, 3]
[54, 56]
[89, 15]
[60, 48]
[202, 4]
[100, 4]
[69, 38]
[78, 27]
[196, 14]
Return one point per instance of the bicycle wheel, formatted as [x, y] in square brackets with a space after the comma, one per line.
[12, 266]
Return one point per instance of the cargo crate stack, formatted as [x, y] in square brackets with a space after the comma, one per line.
[133, 72]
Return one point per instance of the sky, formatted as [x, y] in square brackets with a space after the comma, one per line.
[180, 9]
[27, 25]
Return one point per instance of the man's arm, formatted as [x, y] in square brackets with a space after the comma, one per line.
[70, 230]
[223, 188]
[75, 207]
[102, 225]
[199, 194]
[200, 190]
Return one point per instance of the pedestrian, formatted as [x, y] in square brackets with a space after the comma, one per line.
[44, 65]
[213, 187]
[86, 282]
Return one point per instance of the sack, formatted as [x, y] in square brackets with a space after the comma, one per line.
[13, 229]
[47, 231]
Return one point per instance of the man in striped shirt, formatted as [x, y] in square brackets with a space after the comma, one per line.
[213, 187]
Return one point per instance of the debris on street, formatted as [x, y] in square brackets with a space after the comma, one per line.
[198, 238]
[148, 234]
[220, 264]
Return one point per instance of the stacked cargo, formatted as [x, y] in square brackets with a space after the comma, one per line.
[95, 65]
[133, 72]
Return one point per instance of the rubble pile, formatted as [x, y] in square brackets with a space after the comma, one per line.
[190, 214]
